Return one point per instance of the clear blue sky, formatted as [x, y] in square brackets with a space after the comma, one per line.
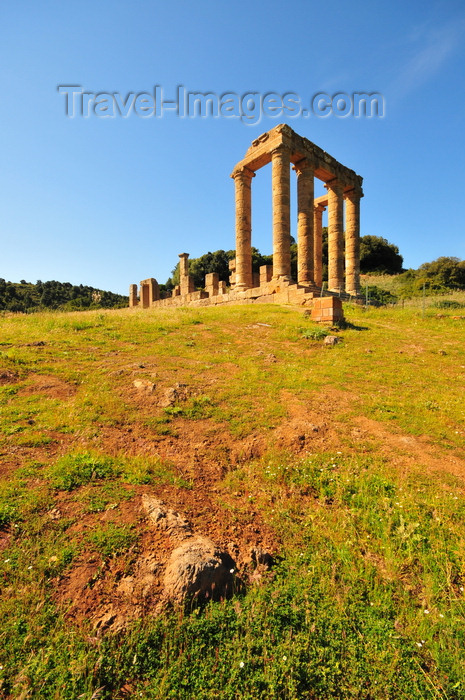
[107, 202]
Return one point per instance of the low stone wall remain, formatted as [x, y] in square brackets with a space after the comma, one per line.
[326, 308]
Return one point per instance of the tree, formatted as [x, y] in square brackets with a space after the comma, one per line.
[378, 255]
[445, 272]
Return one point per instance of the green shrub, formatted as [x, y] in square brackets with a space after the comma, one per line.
[448, 304]
[314, 333]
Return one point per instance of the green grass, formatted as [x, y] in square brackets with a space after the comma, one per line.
[113, 539]
[367, 598]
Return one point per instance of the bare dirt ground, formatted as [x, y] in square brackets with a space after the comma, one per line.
[108, 593]
[124, 588]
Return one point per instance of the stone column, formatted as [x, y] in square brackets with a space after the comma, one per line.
[243, 181]
[318, 244]
[183, 265]
[185, 280]
[133, 295]
[353, 241]
[335, 236]
[305, 189]
[280, 160]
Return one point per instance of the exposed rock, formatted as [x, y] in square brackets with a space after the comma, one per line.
[178, 392]
[7, 376]
[143, 579]
[261, 557]
[332, 340]
[198, 570]
[144, 385]
[54, 514]
[165, 518]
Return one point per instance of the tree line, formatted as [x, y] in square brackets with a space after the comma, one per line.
[26, 296]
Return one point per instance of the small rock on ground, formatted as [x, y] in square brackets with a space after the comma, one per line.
[332, 340]
[198, 570]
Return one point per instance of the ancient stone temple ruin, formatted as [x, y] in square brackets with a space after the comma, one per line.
[282, 147]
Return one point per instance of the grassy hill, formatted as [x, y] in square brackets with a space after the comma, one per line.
[345, 463]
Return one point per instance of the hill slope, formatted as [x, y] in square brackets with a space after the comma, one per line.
[344, 463]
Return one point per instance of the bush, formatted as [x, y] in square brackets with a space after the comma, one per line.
[448, 304]
[377, 294]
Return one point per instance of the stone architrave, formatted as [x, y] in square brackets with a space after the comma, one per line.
[335, 236]
[280, 162]
[243, 179]
[305, 192]
[318, 244]
[352, 199]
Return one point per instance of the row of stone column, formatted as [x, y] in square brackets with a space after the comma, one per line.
[309, 223]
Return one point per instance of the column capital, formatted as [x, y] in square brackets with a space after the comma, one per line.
[243, 173]
[354, 194]
[305, 166]
[280, 150]
[320, 207]
[334, 185]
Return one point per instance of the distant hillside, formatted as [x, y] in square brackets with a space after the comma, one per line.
[27, 296]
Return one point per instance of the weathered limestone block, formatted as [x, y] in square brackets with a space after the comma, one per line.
[327, 310]
[266, 274]
[212, 284]
[144, 295]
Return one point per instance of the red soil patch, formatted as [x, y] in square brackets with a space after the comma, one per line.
[49, 385]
